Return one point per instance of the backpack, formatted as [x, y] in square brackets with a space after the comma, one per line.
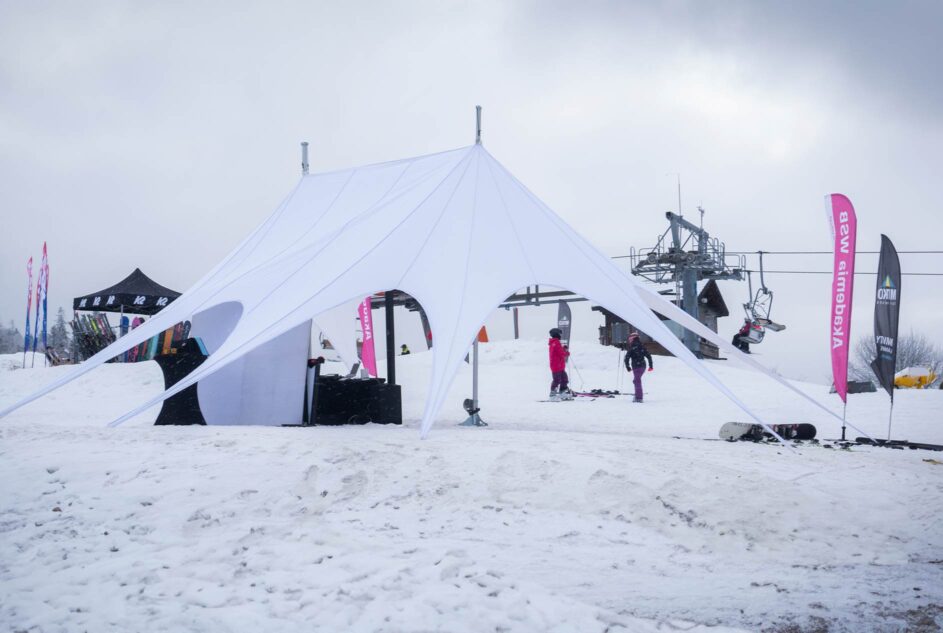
[635, 356]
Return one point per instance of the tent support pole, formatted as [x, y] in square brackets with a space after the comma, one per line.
[473, 418]
[475, 374]
[517, 331]
[477, 125]
[304, 158]
[390, 340]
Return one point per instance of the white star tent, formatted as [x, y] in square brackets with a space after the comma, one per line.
[455, 230]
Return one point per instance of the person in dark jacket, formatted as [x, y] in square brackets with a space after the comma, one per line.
[635, 357]
[558, 355]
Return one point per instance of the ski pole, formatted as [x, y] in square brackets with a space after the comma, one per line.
[582, 384]
[618, 369]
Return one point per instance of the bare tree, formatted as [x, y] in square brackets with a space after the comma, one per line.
[913, 350]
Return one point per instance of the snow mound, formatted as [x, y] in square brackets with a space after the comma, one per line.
[586, 515]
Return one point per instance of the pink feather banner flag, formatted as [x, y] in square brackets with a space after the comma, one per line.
[844, 223]
[367, 354]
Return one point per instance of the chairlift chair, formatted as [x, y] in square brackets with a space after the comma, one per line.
[758, 309]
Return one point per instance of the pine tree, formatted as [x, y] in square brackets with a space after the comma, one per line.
[11, 340]
[59, 334]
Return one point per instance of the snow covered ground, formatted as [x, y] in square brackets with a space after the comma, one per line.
[579, 516]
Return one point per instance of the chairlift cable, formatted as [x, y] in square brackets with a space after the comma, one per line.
[829, 272]
[811, 253]
[830, 252]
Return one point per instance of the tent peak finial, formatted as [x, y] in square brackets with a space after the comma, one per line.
[477, 125]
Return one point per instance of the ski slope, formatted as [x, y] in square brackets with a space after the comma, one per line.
[576, 516]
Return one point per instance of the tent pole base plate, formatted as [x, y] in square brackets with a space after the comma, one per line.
[474, 420]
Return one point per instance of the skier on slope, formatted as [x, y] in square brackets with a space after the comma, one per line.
[635, 357]
[558, 355]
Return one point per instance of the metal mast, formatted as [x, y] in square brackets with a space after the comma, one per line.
[688, 256]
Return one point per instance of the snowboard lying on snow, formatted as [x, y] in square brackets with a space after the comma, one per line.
[734, 431]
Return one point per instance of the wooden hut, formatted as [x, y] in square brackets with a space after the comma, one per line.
[711, 307]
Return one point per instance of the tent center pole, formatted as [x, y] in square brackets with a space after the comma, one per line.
[390, 340]
[304, 158]
[473, 418]
[475, 373]
[477, 125]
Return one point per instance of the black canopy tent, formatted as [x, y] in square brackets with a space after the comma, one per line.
[136, 294]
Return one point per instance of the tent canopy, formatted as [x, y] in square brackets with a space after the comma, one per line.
[455, 230]
[137, 293]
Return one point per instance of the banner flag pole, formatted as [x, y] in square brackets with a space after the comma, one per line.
[844, 408]
[890, 417]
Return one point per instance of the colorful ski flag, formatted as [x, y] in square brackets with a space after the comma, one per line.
[29, 304]
[45, 275]
[844, 224]
[40, 299]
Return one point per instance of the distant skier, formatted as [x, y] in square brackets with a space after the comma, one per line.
[740, 340]
[558, 354]
[403, 350]
[635, 357]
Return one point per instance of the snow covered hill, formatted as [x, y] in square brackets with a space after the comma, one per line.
[578, 516]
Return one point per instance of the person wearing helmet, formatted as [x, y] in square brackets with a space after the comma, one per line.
[558, 355]
[635, 357]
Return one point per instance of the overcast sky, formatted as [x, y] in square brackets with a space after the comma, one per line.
[157, 135]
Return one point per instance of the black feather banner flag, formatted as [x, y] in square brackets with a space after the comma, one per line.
[886, 316]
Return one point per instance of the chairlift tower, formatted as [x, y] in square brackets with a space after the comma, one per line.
[684, 255]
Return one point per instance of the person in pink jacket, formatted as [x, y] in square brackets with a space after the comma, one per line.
[558, 355]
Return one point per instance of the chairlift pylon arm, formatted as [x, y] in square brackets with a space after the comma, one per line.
[762, 278]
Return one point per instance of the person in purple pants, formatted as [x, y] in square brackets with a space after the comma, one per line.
[635, 357]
